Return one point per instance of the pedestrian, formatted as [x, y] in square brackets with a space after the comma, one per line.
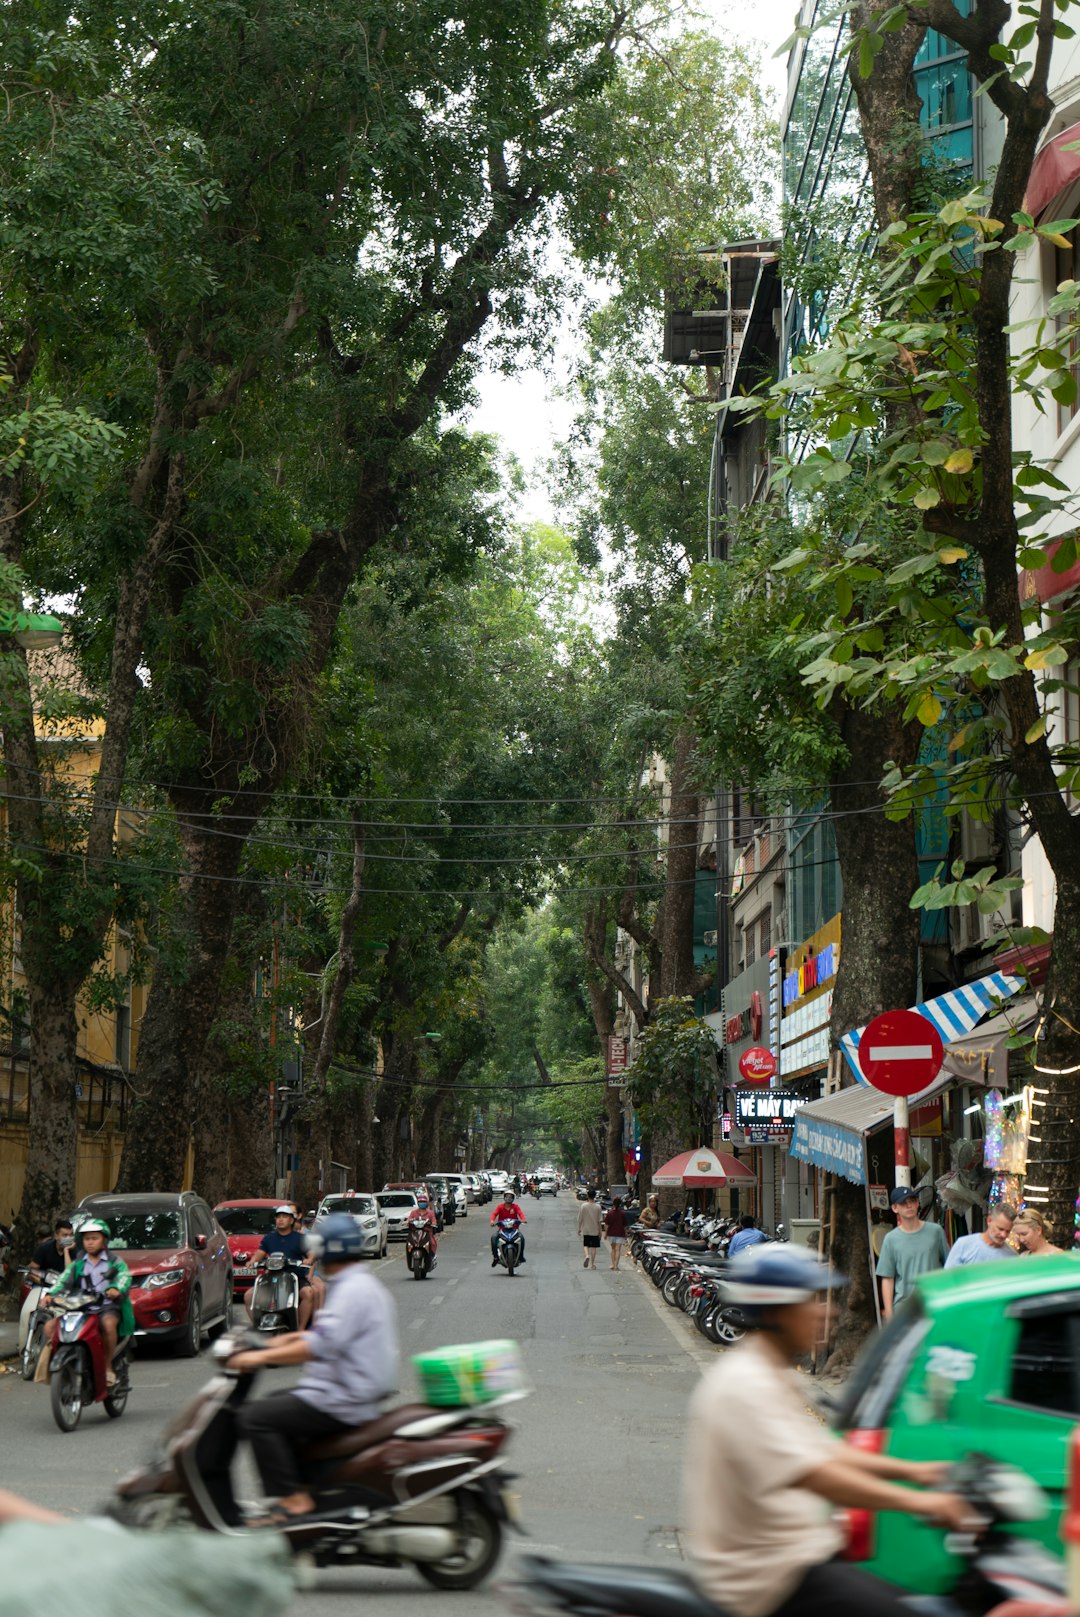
[588, 1227]
[988, 1246]
[913, 1248]
[746, 1235]
[1033, 1233]
[615, 1230]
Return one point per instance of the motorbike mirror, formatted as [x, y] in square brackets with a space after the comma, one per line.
[200, 1242]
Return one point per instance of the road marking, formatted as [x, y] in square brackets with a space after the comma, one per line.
[415, 1324]
[435, 1301]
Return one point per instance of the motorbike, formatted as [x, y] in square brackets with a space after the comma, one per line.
[33, 1318]
[275, 1300]
[418, 1486]
[5, 1252]
[77, 1367]
[998, 1569]
[419, 1255]
[508, 1244]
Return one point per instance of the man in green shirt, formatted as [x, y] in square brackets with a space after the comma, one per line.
[911, 1249]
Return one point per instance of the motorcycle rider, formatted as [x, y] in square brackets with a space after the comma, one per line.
[423, 1214]
[285, 1238]
[509, 1210]
[760, 1467]
[95, 1272]
[350, 1357]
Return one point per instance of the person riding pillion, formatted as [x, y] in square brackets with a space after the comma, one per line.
[95, 1272]
[507, 1210]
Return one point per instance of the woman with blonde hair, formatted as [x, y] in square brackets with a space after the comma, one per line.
[1033, 1233]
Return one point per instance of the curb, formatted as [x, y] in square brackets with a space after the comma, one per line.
[686, 1335]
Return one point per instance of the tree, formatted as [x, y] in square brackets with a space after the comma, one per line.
[927, 372]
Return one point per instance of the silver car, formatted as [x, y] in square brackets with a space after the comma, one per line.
[365, 1209]
[396, 1205]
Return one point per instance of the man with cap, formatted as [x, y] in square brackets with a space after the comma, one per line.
[287, 1239]
[913, 1248]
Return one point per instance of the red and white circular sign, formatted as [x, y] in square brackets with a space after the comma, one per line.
[757, 1064]
[900, 1052]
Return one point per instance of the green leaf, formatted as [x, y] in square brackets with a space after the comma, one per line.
[929, 710]
[1035, 731]
[926, 499]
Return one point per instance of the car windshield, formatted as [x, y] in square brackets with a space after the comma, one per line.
[142, 1232]
[396, 1198]
[245, 1220]
[357, 1205]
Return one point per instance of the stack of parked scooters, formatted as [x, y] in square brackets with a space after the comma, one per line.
[685, 1259]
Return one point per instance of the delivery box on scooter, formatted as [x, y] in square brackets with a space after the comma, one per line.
[472, 1373]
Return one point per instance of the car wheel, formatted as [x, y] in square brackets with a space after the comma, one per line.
[192, 1339]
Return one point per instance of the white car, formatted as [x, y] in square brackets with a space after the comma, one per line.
[463, 1194]
[548, 1185]
[363, 1207]
[499, 1180]
[397, 1205]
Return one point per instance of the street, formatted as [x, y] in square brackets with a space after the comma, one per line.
[597, 1445]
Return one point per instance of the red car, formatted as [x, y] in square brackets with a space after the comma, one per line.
[245, 1222]
[181, 1271]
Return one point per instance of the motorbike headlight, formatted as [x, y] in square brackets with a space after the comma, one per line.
[167, 1277]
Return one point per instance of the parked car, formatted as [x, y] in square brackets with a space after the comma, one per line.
[181, 1267]
[442, 1195]
[245, 1222]
[397, 1205]
[498, 1179]
[365, 1209]
[457, 1182]
[982, 1360]
[420, 1187]
[480, 1189]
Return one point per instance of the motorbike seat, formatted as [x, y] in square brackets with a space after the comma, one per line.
[358, 1438]
[645, 1591]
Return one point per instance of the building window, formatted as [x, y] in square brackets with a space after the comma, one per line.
[750, 942]
[765, 934]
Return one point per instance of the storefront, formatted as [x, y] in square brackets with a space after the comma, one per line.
[805, 982]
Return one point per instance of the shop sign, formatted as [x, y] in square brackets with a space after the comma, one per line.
[617, 1055]
[757, 1064]
[746, 1024]
[812, 966]
[772, 1109]
[828, 1146]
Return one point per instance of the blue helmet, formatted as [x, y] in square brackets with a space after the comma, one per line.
[775, 1274]
[340, 1238]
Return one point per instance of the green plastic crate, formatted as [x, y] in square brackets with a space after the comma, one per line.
[473, 1373]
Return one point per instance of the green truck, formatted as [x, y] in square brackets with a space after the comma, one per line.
[979, 1360]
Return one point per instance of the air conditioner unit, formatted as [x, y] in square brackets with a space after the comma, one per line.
[709, 939]
[972, 929]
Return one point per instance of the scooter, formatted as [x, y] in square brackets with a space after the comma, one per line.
[275, 1299]
[419, 1486]
[419, 1255]
[998, 1567]
[33, 1317]
[508, 1245]
[78, 1365]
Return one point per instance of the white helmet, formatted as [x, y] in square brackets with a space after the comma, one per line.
[773, 1274]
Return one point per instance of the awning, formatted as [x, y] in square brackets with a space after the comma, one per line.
[831, 1132]
[983, 1057]
[1053, 169]
[953, 1014]
[704, 1169]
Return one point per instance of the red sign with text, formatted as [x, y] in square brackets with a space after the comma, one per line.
[757, 1064]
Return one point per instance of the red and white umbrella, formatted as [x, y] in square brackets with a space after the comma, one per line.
[704, 1169]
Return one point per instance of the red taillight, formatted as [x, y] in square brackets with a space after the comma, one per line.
[860, 1525]
[697, 1291]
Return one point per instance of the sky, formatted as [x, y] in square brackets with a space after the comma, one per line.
[524, 410]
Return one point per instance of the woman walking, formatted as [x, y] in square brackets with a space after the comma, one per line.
[615, 1229]
[588, 1225]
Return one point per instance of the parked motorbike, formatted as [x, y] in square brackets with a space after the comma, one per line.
[419, 1254]
[508, 1245]
[275, 1299]
[33, 1317]
[998, 1567]
[419, 1486]
[78, 1365]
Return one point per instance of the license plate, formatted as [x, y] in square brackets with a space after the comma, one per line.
[243, 1271]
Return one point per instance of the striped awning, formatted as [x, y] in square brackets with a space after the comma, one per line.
[953, 1014]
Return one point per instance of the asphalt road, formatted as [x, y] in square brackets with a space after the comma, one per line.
[596, 1446]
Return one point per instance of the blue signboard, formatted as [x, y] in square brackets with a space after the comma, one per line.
[829, 1147]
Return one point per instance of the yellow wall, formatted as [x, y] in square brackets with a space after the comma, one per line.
[98, 1164]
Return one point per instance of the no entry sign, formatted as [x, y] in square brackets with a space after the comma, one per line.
[900, 1052]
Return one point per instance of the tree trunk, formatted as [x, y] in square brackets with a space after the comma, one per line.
[179, 1014]
[49, 1186]
[879, 954]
